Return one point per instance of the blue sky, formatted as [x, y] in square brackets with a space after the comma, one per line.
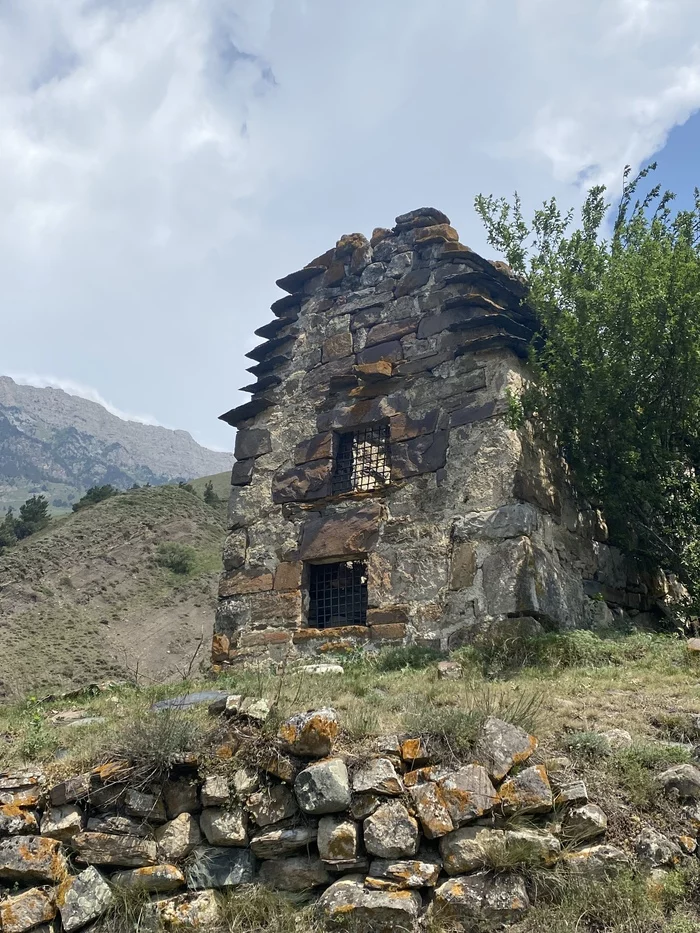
[162, 162]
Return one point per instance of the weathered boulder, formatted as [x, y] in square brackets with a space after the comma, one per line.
[468, 793]
[145, 806]
[323, 787]
[362, 805]
[534, 848]
[245, 782]
[472, 847]
[404, 873]
[297, 873]
[178, 838]
[158, 879]
[685, 779]
[310, 735]
[654, 850]
[483, 898]
[17, 822]
[62, 823]
[272, 805]
[431, 809]
[75, 788]
[571, 793]
[200, 911]
[31, 860]
[596, 863]
[338, 839]
[527, 792]
[86, 897]
[224, 827]
[618, 739]
[26, 910]
[278, 842]
[501, 745]
[220, 868]
[391, 831]
[119, 825]
[377, 775]
[181, 797]
[376, 911]
[215, 790]
[583, 823]
[123, 851]
[449, 670]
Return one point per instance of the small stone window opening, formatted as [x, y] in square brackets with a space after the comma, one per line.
[338, 594]
[362, 461]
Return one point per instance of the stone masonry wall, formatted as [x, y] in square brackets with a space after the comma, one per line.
[415, 331]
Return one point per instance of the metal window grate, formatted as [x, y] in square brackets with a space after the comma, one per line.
[362, 462]
[338, 594]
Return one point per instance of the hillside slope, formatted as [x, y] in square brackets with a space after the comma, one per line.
[86, 600]
[61, 444]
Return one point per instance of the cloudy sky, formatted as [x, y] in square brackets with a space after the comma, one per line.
[162, 162]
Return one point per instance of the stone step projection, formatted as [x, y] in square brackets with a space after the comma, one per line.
[377, 432]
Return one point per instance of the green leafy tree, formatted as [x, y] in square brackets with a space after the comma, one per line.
[210, 497]
[188, 487]
[94, 495]
[33, 516]
[180, 558]
[617, 367]
[7, 531]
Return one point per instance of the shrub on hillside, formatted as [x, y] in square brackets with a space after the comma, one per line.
[94, 495]
[180, 558]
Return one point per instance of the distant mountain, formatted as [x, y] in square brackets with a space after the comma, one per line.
[60, 445]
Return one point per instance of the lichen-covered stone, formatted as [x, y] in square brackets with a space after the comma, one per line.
[102, 849]
[86, 897]
[406, 873]
[571, 793]
[432, 810]
[597, 862]
[310, 735]
[484, 898]
[380, 911]
[224, 827]
[338, 839]
[684, 779]
[145, 806]
[27, 910]
[468, 793]
[391, 831]
[200, 911]
[62, 823]
[178, 838]
[15, 821]
[528, 792]
[654, 850]
[157, 879]
[278, 842]
[30, 860]
[219, 868]
[323, 787]
[215, 791]
[501, 745]
[378, 776]
[472, 847]
[583, 823]
[271, 805]
[297, 873]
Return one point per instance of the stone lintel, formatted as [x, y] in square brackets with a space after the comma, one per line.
[351, 534]
[242, 582]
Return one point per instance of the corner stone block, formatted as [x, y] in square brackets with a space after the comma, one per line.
[355, 533]
[318, 447]
[240, 583]
[251, 443]
[242, 472]
[288, 575]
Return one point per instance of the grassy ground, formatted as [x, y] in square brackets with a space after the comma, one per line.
[566, 689]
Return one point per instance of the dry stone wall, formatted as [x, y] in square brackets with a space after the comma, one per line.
[469, 522]
[390, 837]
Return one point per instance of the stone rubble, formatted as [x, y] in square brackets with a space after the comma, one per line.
[372, 836]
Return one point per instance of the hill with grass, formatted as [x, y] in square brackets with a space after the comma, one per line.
[125, 589]
[60, 445]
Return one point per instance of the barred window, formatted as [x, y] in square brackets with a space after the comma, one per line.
[362, 461]
[338, 594]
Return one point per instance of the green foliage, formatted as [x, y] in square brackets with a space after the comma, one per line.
[180, 558]
[404, 657]
[154, 742]
[94, 495]
[7, 531]
[33, 516]
[636, 769]
[210, 497]
[617, 369]
[188, 487]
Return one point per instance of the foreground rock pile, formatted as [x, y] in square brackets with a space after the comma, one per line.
[388, 838]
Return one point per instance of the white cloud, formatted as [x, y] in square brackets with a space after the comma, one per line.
[74, 388]
[163, 161]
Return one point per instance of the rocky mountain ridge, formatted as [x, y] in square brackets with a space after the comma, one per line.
[61, 444]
